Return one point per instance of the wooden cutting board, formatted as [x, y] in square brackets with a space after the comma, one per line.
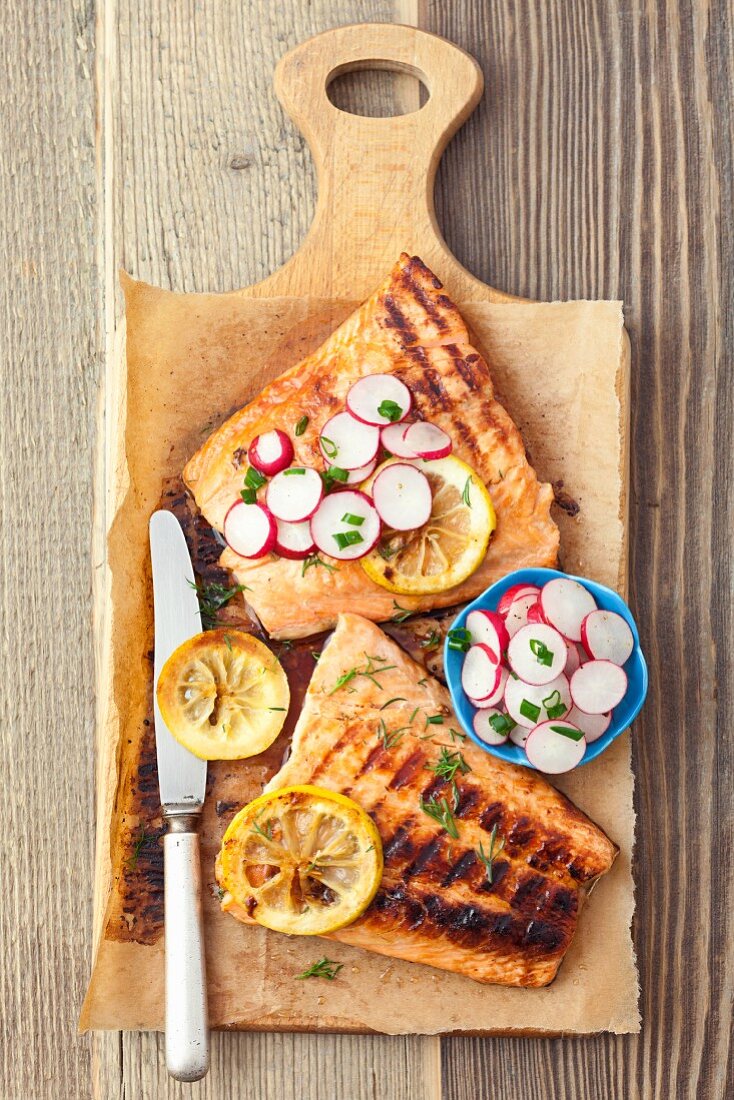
[376, 178]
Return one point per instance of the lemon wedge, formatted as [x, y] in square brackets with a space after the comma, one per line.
[450, 546]
[223, 695]
[301, 860]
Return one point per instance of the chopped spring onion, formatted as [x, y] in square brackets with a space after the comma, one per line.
[301, 425]
[356, 521]
[347, 538]
[529, 710]
[390, 410]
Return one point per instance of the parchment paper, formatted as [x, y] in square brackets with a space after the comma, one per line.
[192, 359]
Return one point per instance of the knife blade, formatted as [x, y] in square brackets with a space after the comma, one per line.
[182, 783]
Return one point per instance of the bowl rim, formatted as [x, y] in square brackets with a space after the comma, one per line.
[514, 754]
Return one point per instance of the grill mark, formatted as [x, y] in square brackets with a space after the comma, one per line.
[469, 375]
[423, 857]
[428, 303]
[429, 385]
[491, 816]
[459, 869]
[398, 320]
[400, 843]
[468, 798]
[370, 760]
[407, 770]
[332, 751]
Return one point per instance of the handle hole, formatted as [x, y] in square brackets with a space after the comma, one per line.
[377, 89]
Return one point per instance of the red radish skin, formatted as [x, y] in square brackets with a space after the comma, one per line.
[484, 731]
[367, 394]
[530, 666]
[249, 529]
[516, 691]
[516, 592]
[480, 674]
[294, 497]
[551, 752]
[517, 617]
[488, 627]
[535, 615]
[598, 687]
[347, 442]
[402, 496]
[606, 636]
[393, 440]
[573, 661]
[593, 725]
[356, 477]
[565, 604]
[328, 521]
[496, 697]
[293, 540]
[270, 452]
[428, 441]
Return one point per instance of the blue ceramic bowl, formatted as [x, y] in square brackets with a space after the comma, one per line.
[636, 669]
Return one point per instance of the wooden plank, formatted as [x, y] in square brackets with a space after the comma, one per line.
[50, 351]
[179, 80]
[605, 138]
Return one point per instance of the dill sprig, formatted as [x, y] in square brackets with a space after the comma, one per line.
[373, 668]
[390, 738]
[140, 841]
[212, 597]
[488, 858]
[440, 811]
[266, 833]
[401, 613]
[448, 766]
[324, 968]
[315, 559]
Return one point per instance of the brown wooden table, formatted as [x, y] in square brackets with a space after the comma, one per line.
[599, 165]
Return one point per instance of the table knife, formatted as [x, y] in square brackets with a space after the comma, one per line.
[182, 782]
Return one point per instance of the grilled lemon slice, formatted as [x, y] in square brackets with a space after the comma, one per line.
[301, 860]
[449, 547]
[223, 695]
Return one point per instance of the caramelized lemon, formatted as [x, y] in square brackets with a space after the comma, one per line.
[223, 695]
[449, 547]
[301, 860]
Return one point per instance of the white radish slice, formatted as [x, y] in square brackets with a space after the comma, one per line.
[537, 698]
[480, 674]
[402, 496]
[516, 592]
[607, 637]
[356, 477]
[428, 440]
[347, 442]
[565, 604]
[393, 440]
[593, 725]
[496, 697]
[598, 686]
[294, 494]
[488, 627]
[343, 517]
[517, 617]
[270, 452]
[573, 661]
[375, 391]
[293, 540]
[537, 653]
[485, 731]
[249, 529]
[519, 736]
[551, 750]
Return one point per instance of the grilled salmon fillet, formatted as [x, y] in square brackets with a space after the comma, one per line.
[409, 328]
[435, 904]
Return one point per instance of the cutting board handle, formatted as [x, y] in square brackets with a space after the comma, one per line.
[375, 175]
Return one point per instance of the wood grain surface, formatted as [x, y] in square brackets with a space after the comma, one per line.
[599, 164]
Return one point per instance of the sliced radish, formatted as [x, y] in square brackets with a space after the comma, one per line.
[519, 736]
[598, 686]
[565, 604]
[249, 529]
[516, 592]
[346, 525]
[495, 698]
[293, 540]
[393, 440]
[379, 399]
[347, 442]
[480, 673]
[402, 496]
[556, 746]
[593, 725]
[537, 653]
[607, 637]
[294, 494]
[517, 617]
[535, 614]
[573, 661]
[484, 729]
[270, 452]
[488, 627]
[356, 477]
[528, 704]
[427, 440]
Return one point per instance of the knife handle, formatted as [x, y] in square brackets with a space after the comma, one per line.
[187, 1023]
